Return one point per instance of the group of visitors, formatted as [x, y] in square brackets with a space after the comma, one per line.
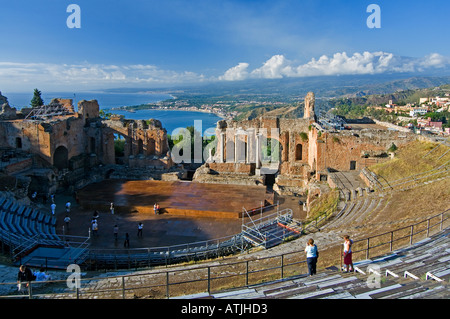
[312, 255]
[68, 205]
[35, 196]
[126, 243]
[26, 275]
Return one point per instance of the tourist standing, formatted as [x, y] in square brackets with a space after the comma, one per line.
[312, 253]
[68, 204]
[95, 228]
[24, 275]
[116, 232]
[126, 243]
[140, 227]
[348, 262]
[53, 208]
[67, 220]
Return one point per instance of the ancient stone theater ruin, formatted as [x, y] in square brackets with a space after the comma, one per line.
[55, 147]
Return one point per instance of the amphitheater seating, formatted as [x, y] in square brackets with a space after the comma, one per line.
[164, 255]
[420, 271]
[26, 222]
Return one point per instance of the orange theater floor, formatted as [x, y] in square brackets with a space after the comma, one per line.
[176, 198]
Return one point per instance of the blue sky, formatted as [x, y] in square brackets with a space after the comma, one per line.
[147, 43]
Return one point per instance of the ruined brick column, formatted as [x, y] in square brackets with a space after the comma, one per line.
[310, 101]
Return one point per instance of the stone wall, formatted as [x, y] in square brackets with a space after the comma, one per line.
[354, 150]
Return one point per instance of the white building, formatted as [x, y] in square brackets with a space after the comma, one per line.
[417, 111]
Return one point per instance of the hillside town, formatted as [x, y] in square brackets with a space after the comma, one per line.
[429, 115]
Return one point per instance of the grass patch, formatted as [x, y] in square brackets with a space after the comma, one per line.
[413, 158]
[328, 202]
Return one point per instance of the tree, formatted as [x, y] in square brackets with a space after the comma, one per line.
[37, 101]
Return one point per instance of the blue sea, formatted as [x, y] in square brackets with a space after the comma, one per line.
[170, 119]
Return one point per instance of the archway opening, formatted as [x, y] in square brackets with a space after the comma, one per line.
[61, 158]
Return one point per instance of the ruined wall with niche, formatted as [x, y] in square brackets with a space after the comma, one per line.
[353, 150]
[56, 139]
[146, 142]
[306, 150]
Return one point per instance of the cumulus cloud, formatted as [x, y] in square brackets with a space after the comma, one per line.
[434, 60]
[342, 64]
[274, 68]
[236, 73]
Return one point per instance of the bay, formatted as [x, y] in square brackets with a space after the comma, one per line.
[171, 120]
[106, 100]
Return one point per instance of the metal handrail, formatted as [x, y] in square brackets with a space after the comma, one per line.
[205, 274]
[391, 233]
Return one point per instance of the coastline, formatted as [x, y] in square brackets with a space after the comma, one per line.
[186, 109]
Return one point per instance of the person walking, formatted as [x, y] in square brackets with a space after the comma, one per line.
[140, 227]
[126, 243]
[53, 208]
[312, 253]
[116, 232]
[95, 228]
[111, 208]
[68, 204]
[348, 262]
[67, 221]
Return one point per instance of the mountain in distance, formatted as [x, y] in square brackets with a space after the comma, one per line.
[254, 97]
[288, 89]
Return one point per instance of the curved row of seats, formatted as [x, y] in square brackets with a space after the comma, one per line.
[165, 255]
[427, 264]
[25, 222]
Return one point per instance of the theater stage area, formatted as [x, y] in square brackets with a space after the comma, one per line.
[174, 197]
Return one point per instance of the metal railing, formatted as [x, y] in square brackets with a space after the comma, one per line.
[403, 235]
[191, 279]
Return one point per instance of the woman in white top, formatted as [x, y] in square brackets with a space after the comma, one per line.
[312, 253]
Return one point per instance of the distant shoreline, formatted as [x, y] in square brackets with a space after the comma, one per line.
[187, 109]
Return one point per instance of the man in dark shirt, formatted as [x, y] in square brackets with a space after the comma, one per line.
[24, 275]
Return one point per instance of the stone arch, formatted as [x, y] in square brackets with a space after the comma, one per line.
[61, 157]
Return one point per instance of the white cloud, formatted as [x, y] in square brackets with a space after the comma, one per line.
[17, 76]
[434, 60]
[274, 68]
[236, 73]
[340, 64]
[51, 76]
